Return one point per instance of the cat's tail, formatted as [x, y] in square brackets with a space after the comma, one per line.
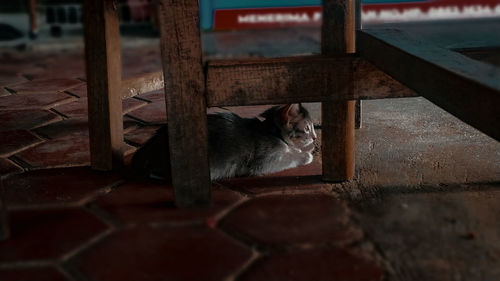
[152, 159]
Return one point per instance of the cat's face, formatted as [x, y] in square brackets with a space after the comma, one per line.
[302, 133]
[297, 124]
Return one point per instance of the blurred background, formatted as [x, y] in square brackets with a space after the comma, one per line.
[23, 21]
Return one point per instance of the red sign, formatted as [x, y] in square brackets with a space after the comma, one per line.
[267, 17]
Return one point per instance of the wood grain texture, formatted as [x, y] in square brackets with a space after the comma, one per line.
[186, 104]
[464, 87]
[338, 117]
[261, 81]
[372, 83]
[103, 67]
[307, 79]
[338, 140]
[141, 84]
[339, 23]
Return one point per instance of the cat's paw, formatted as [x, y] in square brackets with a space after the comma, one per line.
[308, 158]
[309, 148]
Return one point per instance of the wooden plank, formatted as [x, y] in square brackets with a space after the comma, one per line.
[281, 80]
[338, 27]
[4, 223]
[141, 84]
[103, 68]
[186, 104]
[337, 149]
[285, 80]
[372, 83]
[464, 87]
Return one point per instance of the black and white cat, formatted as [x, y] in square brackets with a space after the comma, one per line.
[242, 146]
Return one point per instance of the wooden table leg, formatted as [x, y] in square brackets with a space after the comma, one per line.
[186, 103]
[103, 65]
[337, 37]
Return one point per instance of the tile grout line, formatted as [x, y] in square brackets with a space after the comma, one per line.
[64, 259]
[64, 116]
[244, 267]
[18, 161]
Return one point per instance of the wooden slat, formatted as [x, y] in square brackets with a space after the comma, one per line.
[372, 83]
[284, 80]
[103, 66]
[186, 104]
[271, 81]
[466, 88]
[337, 149]
[358, 115]
[141, 84]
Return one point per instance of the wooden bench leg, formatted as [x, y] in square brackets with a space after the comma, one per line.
[4, 224]
[186, 103]
[103, 66]
[338, 117]
[338, 140]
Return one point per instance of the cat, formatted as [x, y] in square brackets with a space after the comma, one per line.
[241, 146]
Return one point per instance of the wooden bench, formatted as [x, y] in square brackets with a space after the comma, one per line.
[336, 78]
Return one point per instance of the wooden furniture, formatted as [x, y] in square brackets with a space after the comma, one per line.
[340, 75]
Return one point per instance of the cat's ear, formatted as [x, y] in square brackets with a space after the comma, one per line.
[284, 113]
[288, 111]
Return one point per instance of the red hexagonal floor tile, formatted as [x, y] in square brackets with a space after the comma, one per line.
[51, 85]
[34, 101]
[315, 264]
[48, 234]
[289, 220]
[76, 126]
[141, 135]
[79, 91]
[7, 167]
[153, 113]
[10, 79]
[153, 201]
[26, 119]
[31, 274]
[67, 127]
[79, 107]
[14, 141]
[66, 151]
[56, 187]
[150, 254]
[18, 67]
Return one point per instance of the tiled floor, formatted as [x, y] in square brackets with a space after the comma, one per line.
[68, 222]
